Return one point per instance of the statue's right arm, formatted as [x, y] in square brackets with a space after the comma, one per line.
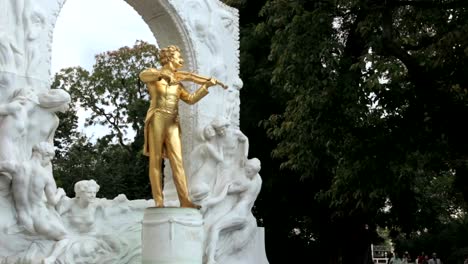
[215, 200]
[150, 75]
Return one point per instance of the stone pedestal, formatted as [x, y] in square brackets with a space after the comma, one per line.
[172, 236]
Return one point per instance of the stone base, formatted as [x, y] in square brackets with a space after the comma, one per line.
[252, 253]
[172, 236]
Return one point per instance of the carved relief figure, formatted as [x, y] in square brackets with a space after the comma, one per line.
[200, 25]
[213, 205]
[10, 34]
[208, 15]
[225, 16]
[87, 242]
[35, 23]
[162, 129]
[43, 121]
[14, 117]
[246, 189]
[80, 211]
[30, 181]
[235, 149]
[7, 50]
[234, 143]
[207, 158]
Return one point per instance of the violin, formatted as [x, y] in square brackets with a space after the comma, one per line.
[198, 79]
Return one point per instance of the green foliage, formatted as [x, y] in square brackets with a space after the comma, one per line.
[108, 164]
[449, 242]
[368, 115]
[115, 98]
[112, 92]
[364, 101]
[65, 133]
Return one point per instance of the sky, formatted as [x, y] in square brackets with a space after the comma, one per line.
[85, 28]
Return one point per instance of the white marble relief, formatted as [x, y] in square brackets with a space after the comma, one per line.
[40, 223]
[226, 189]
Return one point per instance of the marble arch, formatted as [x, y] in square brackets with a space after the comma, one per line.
[207, 32]
[167, 26]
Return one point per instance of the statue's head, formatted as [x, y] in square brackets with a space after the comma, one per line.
[220, 125]
[171, 54]
[55, 100]
[45, 151]
[86, 190]
[209, 132]
[252, 167]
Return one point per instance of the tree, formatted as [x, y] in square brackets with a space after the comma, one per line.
[373, 105]
[280, 206]
[117, 99]
[374, 93]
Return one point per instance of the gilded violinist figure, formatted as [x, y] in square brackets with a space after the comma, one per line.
[162, 130]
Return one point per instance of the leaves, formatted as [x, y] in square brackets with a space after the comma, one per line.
[115, 98]
[373, 96]
[113, 92]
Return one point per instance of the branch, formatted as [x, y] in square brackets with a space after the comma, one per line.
[432, 4]
[427, 41]
[140, 89]
[354, 48]
[116, 124]
[396, 50]
[423, 43]
[113, 123]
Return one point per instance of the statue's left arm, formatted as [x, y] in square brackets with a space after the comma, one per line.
[198, 79]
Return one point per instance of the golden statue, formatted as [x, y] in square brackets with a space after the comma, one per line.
[162, 129]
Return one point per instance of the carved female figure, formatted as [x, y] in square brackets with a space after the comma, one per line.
[80, 211]
[246, 189]
[14, 117]
[207, 157]
[234, 148]
[43, 121]
[86, 241]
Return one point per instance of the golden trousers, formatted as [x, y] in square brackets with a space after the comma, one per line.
[164, 136]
